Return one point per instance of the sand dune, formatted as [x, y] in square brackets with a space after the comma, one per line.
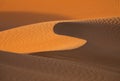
[40, 37]
[97, 60]
[57, 57]
[102, 47]
[36, 38]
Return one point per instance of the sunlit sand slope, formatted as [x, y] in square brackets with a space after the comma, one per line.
[36, 38]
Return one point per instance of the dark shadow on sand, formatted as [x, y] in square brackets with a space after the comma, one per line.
[103, 46]
[10, 20]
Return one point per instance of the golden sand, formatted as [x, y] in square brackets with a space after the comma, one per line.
[36, 38]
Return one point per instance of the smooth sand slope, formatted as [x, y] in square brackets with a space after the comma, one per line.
[33, 68]
[97, 60]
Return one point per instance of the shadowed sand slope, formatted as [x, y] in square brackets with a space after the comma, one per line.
[102, 48]
[33, 68]
[97, 60]
[101, 33]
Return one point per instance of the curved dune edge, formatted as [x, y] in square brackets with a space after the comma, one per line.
[37, 38]
[41, 37]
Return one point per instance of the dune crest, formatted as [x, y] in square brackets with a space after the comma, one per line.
[36, 38]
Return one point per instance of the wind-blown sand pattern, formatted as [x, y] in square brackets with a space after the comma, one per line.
[86, 50]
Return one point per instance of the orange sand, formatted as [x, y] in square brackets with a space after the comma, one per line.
[36, 38]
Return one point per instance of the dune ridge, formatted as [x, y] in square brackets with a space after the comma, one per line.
[37, 37]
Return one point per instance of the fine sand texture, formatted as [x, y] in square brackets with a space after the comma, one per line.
[74, 50]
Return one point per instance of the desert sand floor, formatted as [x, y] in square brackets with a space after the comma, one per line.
[86, 50]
